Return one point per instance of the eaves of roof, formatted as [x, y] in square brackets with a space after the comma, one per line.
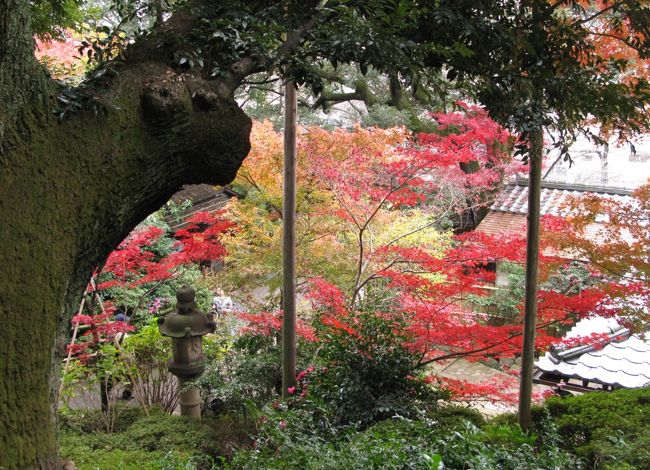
[624, 363]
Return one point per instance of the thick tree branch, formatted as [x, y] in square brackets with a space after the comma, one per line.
[361, 93]
[19, 71]
[397, 99]
[600, 12]
[253, 64]
[626, 41]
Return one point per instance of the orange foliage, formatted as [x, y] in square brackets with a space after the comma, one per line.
[614, 236]
[61, 57]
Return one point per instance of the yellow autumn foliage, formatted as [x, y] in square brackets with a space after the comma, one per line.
[327, 244]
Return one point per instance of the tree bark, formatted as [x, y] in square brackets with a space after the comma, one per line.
[72, 189]
[289, 243]
[532, 261]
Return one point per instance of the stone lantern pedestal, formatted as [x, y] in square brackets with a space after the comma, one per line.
[186, 326]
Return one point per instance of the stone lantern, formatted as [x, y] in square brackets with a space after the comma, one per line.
[186, 326]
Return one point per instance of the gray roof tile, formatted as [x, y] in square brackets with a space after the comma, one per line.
[624, 363]
[514, 198]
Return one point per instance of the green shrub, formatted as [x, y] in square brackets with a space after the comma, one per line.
[607, 429]
[86, 456]
[249, 371]
[452, 416]
[293, 443]
[393, 444]
[298, 434]
[86, 421]
[369, 374]
[146, 354]
[293, 439]
[82, 382]
[161, 432]
[506, 436]
[156, 441]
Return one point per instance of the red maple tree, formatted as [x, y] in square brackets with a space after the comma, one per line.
[411, 281]
[136, 264]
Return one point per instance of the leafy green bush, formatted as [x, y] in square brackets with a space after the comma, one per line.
[292, 439]
[86, 457]
[146, 353]
[607, 429]
[369, 374]
[85, 421]
[159, 432]
[451, 416]
[81, 381]
[298, 434]
[289, 439]
[156, 441]
[249, 371]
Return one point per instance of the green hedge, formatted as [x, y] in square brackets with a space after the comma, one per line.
[159, 441]
[592, 431]
[606, 429]
[449, 435]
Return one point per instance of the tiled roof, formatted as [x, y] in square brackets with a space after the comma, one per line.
[204, 197]
[195, 193]
[623, 362]
[505, 222]
[514, 198]
[508, 213]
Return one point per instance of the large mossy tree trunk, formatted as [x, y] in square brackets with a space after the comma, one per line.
[72, 189]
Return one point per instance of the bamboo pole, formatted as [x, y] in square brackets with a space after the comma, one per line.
[66, 365]
[96, 295]
[289, 242]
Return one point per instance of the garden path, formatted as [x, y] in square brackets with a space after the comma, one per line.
[477, 373]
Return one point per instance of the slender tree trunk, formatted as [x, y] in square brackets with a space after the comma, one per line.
[104, 394]
[603, 155]
[159, 12]
[72, 189]
[289, 243]
[532, 258]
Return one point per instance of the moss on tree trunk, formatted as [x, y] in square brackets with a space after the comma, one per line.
[71, 190]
